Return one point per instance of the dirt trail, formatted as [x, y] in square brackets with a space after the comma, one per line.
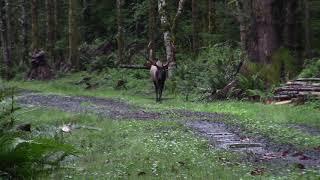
[105, 107]
[208, 125]
[222, 137]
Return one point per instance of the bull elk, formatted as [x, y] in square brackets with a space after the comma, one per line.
[159, 74]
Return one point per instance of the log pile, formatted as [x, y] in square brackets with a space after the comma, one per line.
[303, 88]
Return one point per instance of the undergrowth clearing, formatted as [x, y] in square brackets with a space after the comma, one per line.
[136, 149]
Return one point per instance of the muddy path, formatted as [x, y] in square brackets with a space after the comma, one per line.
[109, 108]
[208, 125]
[259, 150]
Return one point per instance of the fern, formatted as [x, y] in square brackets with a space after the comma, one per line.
[22, 154]
[27, 157]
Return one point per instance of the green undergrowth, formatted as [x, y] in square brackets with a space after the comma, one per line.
[271, 121]
[145, 150]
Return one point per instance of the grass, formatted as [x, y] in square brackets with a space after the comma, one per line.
[144, 150]
[274, 122]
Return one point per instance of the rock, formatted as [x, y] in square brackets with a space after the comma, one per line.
[24, 127]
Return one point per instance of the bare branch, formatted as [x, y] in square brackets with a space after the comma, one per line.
[179, 12]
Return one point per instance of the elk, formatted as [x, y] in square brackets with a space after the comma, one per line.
[159, 73]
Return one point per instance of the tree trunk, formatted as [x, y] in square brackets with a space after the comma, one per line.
[167, 29]
[24, 32]
[40, 70]
[290, 30]
[152, 29]
[120, 39]
[50, 29]
[195, 38]
[56, 19]
[211, 15]
[73, 35]
[264, 39]
[34, 24]
[168, 32]
[307, 33]
[5, 38]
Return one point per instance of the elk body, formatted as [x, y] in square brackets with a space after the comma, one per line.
[159, 73]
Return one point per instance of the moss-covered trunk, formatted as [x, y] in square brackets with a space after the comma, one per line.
[74, 37]
[120, 38]
[5, 38]
[34, 25]
[50, 5]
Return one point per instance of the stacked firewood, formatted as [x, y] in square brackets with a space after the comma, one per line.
[303, 89]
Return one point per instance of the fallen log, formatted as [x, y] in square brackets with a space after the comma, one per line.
[309, 79]
[125, 66]
[314, 89]
[303, 88]
[301, 83]
[282, 97]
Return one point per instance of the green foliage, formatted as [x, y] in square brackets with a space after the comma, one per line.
[211, 70]
[312, 69]
[217, 66]
[250, 86]
[23, 155]
[284, 61]
[283, 66]
[183, 80]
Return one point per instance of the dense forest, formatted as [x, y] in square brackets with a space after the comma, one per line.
[229, 76]
[276, 37]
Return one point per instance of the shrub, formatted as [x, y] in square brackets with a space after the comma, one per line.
[211, 71]
[312, 69]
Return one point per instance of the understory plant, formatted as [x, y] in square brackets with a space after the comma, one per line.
[312, 69]
[23, 154]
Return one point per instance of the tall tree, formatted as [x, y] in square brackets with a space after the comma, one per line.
[211, 15]
[5, 29]
[120, 39]
[35, 26]
[307, 35]
[290, 34]
[24, 32]
[50, 5]
[74, 36]
[168, 29]
[152, 28]
[195, 38]
[244, 16]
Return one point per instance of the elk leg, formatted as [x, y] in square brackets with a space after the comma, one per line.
[161, 89]
[156, 90]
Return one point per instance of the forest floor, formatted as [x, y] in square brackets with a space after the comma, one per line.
[255, 150]
[125, 134]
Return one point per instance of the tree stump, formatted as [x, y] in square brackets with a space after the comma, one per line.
[40, 70]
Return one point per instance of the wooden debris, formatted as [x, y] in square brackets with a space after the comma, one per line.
[298, 90]
[283, 102]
